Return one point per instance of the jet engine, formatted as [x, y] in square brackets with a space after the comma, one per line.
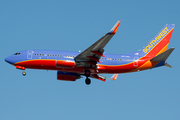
[65, 63]
[67, 76]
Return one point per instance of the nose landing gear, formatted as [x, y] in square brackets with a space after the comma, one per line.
[24, 73]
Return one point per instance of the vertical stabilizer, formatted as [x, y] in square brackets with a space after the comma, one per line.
[159, 43]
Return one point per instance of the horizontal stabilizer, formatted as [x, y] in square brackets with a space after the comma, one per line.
[167, 65]
[163, 56]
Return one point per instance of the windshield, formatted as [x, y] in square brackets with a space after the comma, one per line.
[17, 53]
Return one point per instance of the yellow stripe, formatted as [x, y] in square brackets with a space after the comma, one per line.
[116, 65]
[164, 49]
[139, 67]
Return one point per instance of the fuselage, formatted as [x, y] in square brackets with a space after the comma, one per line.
[94, 61]
[64, 61]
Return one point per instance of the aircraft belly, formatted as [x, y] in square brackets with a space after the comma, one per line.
[140, 65]
[51, 65]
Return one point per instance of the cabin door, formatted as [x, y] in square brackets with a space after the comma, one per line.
[29, 54]
[135, 63]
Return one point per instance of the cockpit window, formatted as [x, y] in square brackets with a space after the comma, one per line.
[17, 53]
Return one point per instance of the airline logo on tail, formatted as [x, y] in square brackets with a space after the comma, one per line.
[156, 40]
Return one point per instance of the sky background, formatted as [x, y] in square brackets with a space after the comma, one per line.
[75, 25]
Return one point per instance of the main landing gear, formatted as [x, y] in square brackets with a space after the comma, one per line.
[87, 81]
[87, 74]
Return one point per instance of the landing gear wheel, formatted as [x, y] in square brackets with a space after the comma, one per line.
[87, 81]
[24, 73]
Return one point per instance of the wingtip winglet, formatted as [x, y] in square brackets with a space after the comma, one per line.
[114, 77]
[114, 29]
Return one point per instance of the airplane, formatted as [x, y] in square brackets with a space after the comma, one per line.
[93, 62]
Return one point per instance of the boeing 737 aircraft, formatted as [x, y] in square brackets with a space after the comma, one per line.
[93, 61]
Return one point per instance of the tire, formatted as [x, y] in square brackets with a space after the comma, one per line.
[88, 81]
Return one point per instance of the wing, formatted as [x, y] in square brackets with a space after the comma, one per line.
[91, 55]
[100, 77]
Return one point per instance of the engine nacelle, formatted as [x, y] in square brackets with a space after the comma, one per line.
[65, 63]
[67, 76]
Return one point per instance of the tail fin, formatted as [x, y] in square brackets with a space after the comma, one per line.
[159, 43]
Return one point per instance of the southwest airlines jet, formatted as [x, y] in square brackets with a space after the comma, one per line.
[93, 61]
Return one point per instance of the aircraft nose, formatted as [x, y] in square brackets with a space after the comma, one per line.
[9, 59]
